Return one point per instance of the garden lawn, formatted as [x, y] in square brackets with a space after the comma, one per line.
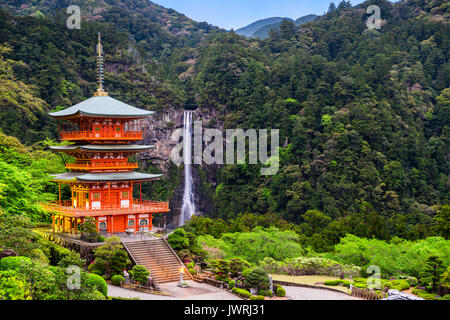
[309, 280]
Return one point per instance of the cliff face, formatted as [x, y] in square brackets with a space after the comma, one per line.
[159, 132]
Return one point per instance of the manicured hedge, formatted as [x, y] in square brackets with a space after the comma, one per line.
[242, 292]
[265, 293]
[99, 283]
[117, 280]
[281, 292]
[259, 297]
[399, 285]
[13, 263]
[337, 282]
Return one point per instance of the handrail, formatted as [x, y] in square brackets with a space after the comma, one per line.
[178, 258]
[152, 252]
[144, 206]
[102, 165]
[78, 135]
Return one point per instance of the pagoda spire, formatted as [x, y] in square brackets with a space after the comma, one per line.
[100, 91]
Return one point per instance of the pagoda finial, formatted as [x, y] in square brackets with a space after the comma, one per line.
[100, 91]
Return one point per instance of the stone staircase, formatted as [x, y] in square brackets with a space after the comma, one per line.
[158, 257]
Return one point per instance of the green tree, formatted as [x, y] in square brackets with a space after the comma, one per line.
[432, 272]
[110, 258]
[140, 274]
[178, 240]
[441, 222]
[88, 230]
[257, 279]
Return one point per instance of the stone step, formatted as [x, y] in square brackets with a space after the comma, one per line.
[157, 257]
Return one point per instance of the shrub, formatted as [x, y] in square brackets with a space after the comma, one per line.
[192, 271]
[13, 263]
[337, 282]
[72, 259]
[281, 292]
[246, 272]
[412, 281]
[178, 239]
[308, 266]
[89, 231]
[258, 279]
[424, 294]
[399, 256]
[140, 274]
[13, 286]
[265, 293]
[99, 283]
[346, 283]
[190, 265]
[237, 265]
[117, 280]
[231, 284]
[360, 285]
[97, 295]
[119, 262]
[258, 297]
[332, 282]
[101, 239]
[242, 292]
[97, 272]
[399, 284]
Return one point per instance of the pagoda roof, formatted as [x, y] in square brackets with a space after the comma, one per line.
[103, 147]
[103, 176]
[103, 106]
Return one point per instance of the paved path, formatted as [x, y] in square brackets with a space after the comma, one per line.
[300, 293]
[195, 291]
[202, 291]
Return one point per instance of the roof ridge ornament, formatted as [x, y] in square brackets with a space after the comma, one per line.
[100, 91]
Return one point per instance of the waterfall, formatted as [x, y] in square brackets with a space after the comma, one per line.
[188, 207]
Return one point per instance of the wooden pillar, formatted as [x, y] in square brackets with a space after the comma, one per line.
[109, 193]
[63, 219]
[53, 223]
[140, 193]
[76, 225]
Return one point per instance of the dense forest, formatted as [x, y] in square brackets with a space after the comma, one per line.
[363, 114]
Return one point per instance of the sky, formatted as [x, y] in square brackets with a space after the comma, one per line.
[235, 14]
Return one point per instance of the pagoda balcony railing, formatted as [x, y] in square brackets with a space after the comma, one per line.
[101, 135]
[138, 206]
[102, 165]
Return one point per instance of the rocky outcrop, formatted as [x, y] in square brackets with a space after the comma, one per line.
[160, 128]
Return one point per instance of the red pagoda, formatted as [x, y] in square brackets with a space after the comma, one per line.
[104, 131]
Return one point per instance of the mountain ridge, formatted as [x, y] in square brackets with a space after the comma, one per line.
[260, 28]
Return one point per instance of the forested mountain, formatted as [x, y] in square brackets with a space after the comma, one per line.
[263, 32]
[260, 29]
[363, 114]
[249, 30]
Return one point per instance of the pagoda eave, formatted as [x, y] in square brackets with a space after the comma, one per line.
[102, 148]
[102, 177]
